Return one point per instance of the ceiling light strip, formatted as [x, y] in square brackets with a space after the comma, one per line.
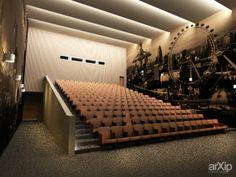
[79, 32]
[85, 22]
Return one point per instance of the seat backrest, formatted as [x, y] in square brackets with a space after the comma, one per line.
[108, 114]
[138, 129]
[95, 122]
[107, 122]
[117, 113]
[187, 124]
[156, 128]
[136, 120]
[117, 121]
[117, 131]
[148, 128]
[104, 133]
[165, 127]
[99, 114]
[173, 126]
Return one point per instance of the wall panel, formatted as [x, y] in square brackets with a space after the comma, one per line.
[43, 58]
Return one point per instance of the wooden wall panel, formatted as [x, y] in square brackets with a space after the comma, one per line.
[43, 58]
[33, 106]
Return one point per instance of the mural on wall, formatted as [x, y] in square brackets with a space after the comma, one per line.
[199, 67]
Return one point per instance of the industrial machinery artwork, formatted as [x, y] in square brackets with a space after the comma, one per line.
[198, 72]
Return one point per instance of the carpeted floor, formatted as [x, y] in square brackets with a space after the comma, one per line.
[32, 153]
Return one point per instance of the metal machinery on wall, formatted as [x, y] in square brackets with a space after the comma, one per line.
[198, 72]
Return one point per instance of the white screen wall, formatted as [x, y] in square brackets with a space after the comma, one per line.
[45, 47]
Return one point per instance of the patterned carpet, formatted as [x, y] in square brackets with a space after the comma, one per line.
[33, 153]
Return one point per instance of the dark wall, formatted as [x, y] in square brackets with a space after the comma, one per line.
[12, 40]
[33, 106]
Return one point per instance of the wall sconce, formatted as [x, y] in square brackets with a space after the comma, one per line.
[22, 87]
[234, 86]
[18, 77]
[9, 57]
[190, 79]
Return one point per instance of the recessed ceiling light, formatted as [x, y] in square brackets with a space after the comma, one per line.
[116, 18]
[161, 12]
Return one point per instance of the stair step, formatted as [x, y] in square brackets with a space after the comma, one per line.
[82, 131]
[83, 136]
[82, 126]
[87, 148]
[89, 141]
[80, 122]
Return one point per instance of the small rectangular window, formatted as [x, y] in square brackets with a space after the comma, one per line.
[64, 57]
[76, 59]
[101, 62]
[90, 61]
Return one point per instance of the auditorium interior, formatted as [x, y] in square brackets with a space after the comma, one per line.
[139, 88]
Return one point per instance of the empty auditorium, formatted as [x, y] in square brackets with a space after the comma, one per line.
[116, 88]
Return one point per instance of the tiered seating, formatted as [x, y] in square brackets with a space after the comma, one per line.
[119, 114]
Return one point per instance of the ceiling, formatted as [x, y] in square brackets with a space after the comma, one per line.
[121, 22]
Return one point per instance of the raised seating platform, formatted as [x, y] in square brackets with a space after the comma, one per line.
[119, 114]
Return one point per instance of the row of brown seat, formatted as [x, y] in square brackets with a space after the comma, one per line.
[116, 134]
[113, 112]
[108, 122]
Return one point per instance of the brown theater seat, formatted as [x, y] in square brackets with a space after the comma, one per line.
[126, 121]
[117, 133]
[172, 112]
[156, 130]
[194, 125]
[136, 120]
[172, 118]
[151, 119]
[166, 118]
[173, 128]
[148, 113]
[108, 114]
[160, 112]
[148, 131]
[154, 112]
[179, 117]
[159, 119]
[199, 124]
[117, 108]
[138, 132]
[117, 113]
[99, 114]
[107, 122]
[165, 129]
[180, 127]
[206, 124]
[117, 121]
[105, 135]
[187, 126]
[95, 123]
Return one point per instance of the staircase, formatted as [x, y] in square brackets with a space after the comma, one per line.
[84, 139]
